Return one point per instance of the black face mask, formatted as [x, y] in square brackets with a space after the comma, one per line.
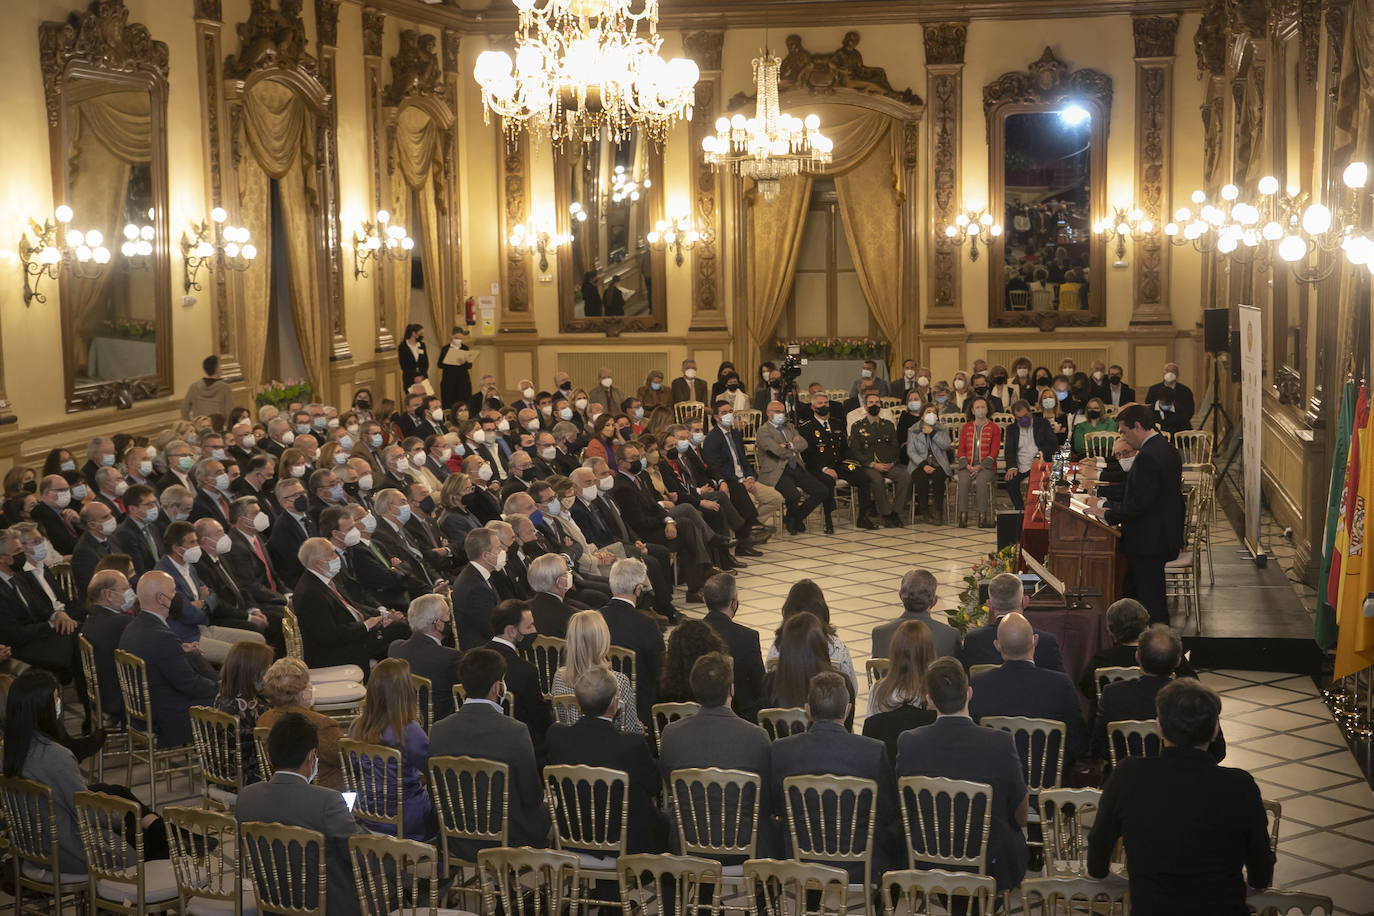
[526, 643]
[636, 466]
[872, 409]
[300, 503]
[174, 609]
[363, 405]
[427, 505]
[1092, 414]
[980, 389]
[732, 385]
[822, 411]
[29, 486]
[566, 386]
[1114, 379]
[1042, 381]
[999, 380]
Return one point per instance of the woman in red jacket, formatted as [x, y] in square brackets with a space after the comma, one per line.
[980, 441]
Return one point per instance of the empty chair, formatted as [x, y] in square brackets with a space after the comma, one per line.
[1040, 745]
[32, 830]
[285, 865]
[663, 885]
[781, 722]
[117, 883]
[774, 887]
[688, 410]
[217, 745]
[334, 674]
[1094, 896]
[394, 876]
[565, 708]
[529, 882]
[1133, 738]
[623, 662]
[916, 892]
[204, 847]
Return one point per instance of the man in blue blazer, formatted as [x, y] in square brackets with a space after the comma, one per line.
[137, 535]
[1006, 596]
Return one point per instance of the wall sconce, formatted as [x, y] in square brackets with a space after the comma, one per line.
[677, 235]
[48, 249]
[576, 213]
[378, 240]
[538, 240]
[1121, 225]
[137, 247]
[968, 226]
[214, 245]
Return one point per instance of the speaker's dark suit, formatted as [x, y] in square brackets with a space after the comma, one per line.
[430, 660]
[103, 628]
[978, 649]
[86, 555]
[288, 534]
[743, 643]
[594, 741]
[129, 538]
[1019, 688]
[1135, 699]
[522, 679]
[474, 598]
[631, 629]
[175, 683]
[1151, 518]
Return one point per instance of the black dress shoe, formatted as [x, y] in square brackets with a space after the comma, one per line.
[800, 525]
[694, 598]
[829, 527]
[747, 550]
[866, 522]
[895, 521]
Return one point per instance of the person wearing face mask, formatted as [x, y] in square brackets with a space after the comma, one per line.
[100, 453]
[254, 481]
[679, 483]
[235, 616]
[606, 394]
[550, 580]
[1167, 415]
[484, 499]
[245, 445]
[213, 492]
[181, 460]
[826, 458]
[138, 535]
[769, 389]
[779, 451]
[111, 604]
[1020, 379]
[1113, 390]
[290, 530]
[1049, 407]
[997, 388]
[906, 383]
[521, 475]
[874, 448]
[455, 369]
[980, 440]
[1028, 436]
[249, 564]
[98, 525]
[735, 394]
[722, 449]
[545, 454]
[455, 519]
[474, 594]
[190, 617]
[138, 465]
[413, 357]
[437, 455]
[513, 629]
[687, 387]
[927, 447]
[109, 489]
[1093, 420]
[425, 534]
[37, 632]
[336, 629]
[959, 393]
[54, 514]
[397, 542]
[868, 375]
[430, 652]
[280, 436]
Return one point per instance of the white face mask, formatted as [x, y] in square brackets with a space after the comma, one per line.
[909, 373]
[437, 415]
[352, 537]
[553, 509]
[923, 381]
[121, 488]
[222, 482]
[1127, 462]
[1022, 372]
[1048, 403]
[248, 441]
[335, 564]
[288, 437]
[479, 436]
[365, 482]
[528, 393]
[369, 523]
[589, 493]
[445, 455]
[261, 522]
[345, 443]
[547, 410]
[503, 426]
[980, 413]
[1097, 375]
[689, 374]
[145, 468]
[298, 471]
[605, 484]
[931, 419]
[866, 373]
[959, 384]
[193, 555]
[501, 559]
[64, 499]
[1170, 378]
[580, 403]
[548, 452]
[606, 382]
[417, 460]
[108, 526]
[223, 545]
[726, 420]
[532, 425]
[484, 472]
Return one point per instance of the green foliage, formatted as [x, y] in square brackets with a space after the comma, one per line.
[835, 347]
[280, 394]
[971, 612]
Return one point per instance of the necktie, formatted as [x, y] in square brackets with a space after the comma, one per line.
[611, 516]
[416, 556]
[152, 542]
[267, 567]
[739, 465]
[357, 615]
[18, 592]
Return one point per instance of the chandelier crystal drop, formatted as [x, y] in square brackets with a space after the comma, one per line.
[581, 66]
[769, 146]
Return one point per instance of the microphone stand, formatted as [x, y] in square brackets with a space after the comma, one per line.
[1078, 591]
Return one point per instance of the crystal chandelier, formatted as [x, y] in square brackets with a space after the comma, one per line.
[769, 146]
[581, 66]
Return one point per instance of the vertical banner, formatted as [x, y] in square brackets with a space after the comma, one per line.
[1251, 380]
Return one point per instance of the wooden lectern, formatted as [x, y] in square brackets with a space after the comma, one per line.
[1084, 552]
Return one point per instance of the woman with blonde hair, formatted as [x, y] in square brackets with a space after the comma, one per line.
[589, 643]
[391, 717]
[331, 456]
[897, 702]
[287, 687]
[291, 464]
[455, 519]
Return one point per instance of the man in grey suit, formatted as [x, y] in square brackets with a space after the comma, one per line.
[431, 619]
[918, 603]
[777, 451]
[481, 729]
[289, 798]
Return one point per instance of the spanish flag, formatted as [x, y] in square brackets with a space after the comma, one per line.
[1352, 561]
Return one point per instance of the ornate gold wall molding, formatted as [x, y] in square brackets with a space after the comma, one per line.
[374, 29]
[708, 313]
[1154, 79]
[944, 47]
[516, 267]
[453, 250]
[822, 73]
[327, 28]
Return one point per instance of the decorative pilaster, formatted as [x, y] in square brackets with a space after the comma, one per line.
[516, 267]
[944, 47]
[708, 303]
[374, 22]
[1154, 109]
[453, 251]
[327, 26]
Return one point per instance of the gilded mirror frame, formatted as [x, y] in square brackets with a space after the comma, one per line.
[1046, 86]
[100, 45]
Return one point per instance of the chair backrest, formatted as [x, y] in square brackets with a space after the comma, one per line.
[1042, 299]
[265, 768]
[286, 866]
[471, 800]
[528, 882]
[1194, 446]
[747, 423]
[374, 772]
[773, 887]
[1100, 443]
[394, 876]
[1283, 903]
[592, 808]
[1068, 298]
[1133, 738]
[100, 820]
[1111, 674]
[1099, 896]
[424, 690]
[665, 885]
[946, 822]
[1019, 299]
[688, 410]
[717, 811]
[1062, 824]
[546, 654]
[31, 825]
[1039, 743]
[831, 819]
[291, 635]
[890, 403]
[876, 669]
[204, 846]
[664, 713]
[975, 670]
[837, 396]
[623, 662]
[1003, 419]
[565, 708]
[216, 736]
[954, 425]
[1273, 812]
[92, 673]
[66, 582]
[782, 722]
[913, 891]
[133, 687]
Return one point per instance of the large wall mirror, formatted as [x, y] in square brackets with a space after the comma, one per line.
[1047, 137]
[105, 81]
[608, 197]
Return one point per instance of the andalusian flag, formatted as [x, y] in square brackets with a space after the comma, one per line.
[1325, 628]
[1355, 640]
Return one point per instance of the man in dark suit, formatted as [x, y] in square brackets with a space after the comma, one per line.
[109, 600]
[688, 387]
[248, 561]
[334, 631]
[1192, 825]
[550, 579]
[1006, 596]
[954, 747]
[1150, 513]
[512, 626]
[291, 529]
[1113, 390]
[136, 535]
[98, 525]
[827, 449]
[252, 481]
[1029, 435]
[1018, 688]
[36, 634]
[1170, 389]
[722, 603]
[480, 729]
[634, 630]
[288, 798]
[54, 514]
[827, 748]
[601, 524]
[594, 741]
[233, 607]
[109, 490]
[474, 595]
[393, 539]
[1160, 655]
[212, 500]
[429, 650]
[918, 603]
[177, 678]
[723, 452]
[424, 534]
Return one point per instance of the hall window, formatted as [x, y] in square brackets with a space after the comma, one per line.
[826, 299]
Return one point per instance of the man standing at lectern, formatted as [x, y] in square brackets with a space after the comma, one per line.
[1150, 511]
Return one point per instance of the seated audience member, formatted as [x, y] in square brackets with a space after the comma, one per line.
[917, 593]
[779, 453]
[455, 518]
[33, 750]
[635, 631]
[512, 626]
[550, 579]
[688, 641]
[1006, 595]
[802, 654]
[1171, 392]
[474, 595]
[290, 530]
[54, 513]
[827, 748]
[805, 596]
[109, 601]
[896, 703]
[1092, 421]
[980, 440]
[954, 747]
[333, 630]
[1018, 688]
[594, 740]
[589, 645]
[742, 643]
[1029, 436]
[248, 560]
[368, 568]
[287, 687]
[927, 447]
[391, 718]
[37, 634]
[1160, 655]
[293, 797]
[137, 535]
[232, 608]
[240, 695]
[874, 447]
[431, 622]
[1126, 620]
[98, 526]
[1190, 825]
[480, 729]
[179, 677]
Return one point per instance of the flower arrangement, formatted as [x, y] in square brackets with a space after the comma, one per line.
[835, 347]
[280, 394]
[129, 328]
[971, 612]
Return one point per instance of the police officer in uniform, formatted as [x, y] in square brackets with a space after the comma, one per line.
[826, 459]
[873, 447]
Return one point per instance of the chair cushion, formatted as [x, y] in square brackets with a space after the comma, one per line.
[200, 906]
[42, 874]
[408, 911]
[159, 884]
[1185, 560]
[223, 796]
[588, 860]
[336, 673]
[331, 692]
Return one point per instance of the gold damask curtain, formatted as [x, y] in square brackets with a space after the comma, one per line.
[278, 129]
[420, 158]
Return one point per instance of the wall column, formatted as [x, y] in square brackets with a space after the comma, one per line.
[944, 47]
[1154, 112]
[708, 301]
[517, 316]
[374, 25]
[327, 24]
[453, 251]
